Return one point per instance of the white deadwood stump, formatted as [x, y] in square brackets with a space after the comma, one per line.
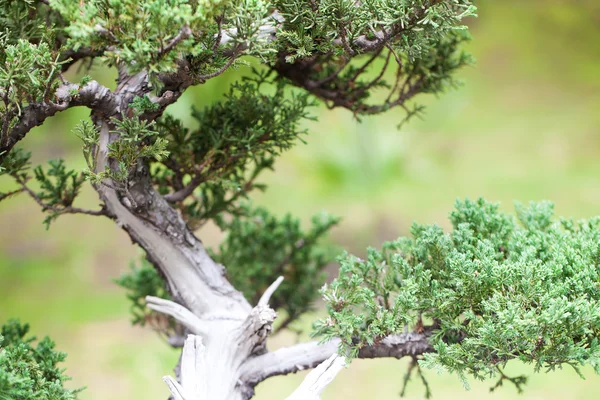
[215, 353]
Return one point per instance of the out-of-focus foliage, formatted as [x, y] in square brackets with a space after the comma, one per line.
[29, 372]
[260, 247]
[495, 288]
[143, 280]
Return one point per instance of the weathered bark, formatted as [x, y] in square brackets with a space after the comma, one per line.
[219, 312]
[93, 96]
[192, 276]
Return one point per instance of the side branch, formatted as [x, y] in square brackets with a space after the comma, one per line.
[68, 95]
[307, 355]
[54, 209]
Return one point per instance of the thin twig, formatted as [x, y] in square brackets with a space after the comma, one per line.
[334, 74]
[224, 68]
[217, 43]
[365, 65]
[362, 90]
[57, 210]
[9, 194]
[183, 34]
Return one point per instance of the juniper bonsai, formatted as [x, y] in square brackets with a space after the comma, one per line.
[495, 289]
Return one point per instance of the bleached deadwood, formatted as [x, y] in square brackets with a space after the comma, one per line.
[266, 296]
[194, 367]
[179, 312]
[212, 360]
[318, 379]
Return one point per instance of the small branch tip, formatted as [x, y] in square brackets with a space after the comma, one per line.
[264, 300]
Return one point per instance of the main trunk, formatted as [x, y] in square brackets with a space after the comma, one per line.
[194, 279]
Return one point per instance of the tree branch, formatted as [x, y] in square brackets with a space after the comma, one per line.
[307, 355]
[57, 210]
[264, 299]
[179, 312]
[68, 95]
[183, 34]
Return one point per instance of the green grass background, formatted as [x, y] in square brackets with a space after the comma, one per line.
[525, 126]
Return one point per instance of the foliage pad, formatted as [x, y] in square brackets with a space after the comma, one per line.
[496, 288]
[28, 372]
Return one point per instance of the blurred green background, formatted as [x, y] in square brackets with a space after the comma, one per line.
[525, 126]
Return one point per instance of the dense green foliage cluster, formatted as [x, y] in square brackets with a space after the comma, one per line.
[30, 372]
[496, 288]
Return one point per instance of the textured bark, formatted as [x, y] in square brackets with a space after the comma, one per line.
[192, 276]
[93, 96]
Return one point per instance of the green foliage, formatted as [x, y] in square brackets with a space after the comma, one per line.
[343, 51]
[236, 139]
[260, 247]
[59, 188]
[27, 74]
[142, 104]
[89, 135]
[25, 19]
[142, 281]
[28, 372]
[313, 27]
[16, 163]
[495, 288]
[145, 35]
[137, 141]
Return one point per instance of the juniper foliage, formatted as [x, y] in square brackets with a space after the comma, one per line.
[29, 372]
[496, 288]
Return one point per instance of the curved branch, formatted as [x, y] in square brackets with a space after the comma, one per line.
[264, 299]
[179, 312]
[93, 95]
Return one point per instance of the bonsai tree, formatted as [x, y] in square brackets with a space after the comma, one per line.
[496, 288]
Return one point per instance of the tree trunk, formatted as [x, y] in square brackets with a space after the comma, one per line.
[223, 317]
